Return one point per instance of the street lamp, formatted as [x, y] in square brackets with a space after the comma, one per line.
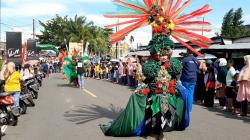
[203, 20]
[116, 47]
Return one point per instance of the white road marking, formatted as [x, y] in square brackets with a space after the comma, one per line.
[90, 93]
[4, 128]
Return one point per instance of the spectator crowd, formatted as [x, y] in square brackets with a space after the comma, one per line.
[214, 80]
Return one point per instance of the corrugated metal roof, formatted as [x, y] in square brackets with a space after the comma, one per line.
[176, 52]
[231, 46]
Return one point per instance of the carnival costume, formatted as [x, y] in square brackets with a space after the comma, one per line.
[160, 102]
[69, 65]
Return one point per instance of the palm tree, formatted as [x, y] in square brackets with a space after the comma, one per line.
[76, 29]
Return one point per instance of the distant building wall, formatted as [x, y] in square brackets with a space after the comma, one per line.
[227, 41]
[242, 40]
[2, 45]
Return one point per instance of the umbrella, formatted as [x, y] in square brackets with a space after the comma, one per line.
[114, 60]
[207, 56]
[32, 62]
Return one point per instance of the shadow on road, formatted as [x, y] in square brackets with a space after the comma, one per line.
[85, 113]
[229, 115]
[64, 85]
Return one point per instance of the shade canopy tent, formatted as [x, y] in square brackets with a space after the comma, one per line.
[114, 60]
[44, 47]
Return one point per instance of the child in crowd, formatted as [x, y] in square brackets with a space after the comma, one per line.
[235, 87]
[101, 72]
[97, 71]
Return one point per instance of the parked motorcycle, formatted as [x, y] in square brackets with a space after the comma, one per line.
[32, 87]
[26, 96]
[8, 112]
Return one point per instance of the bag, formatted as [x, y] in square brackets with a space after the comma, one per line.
[221, 92]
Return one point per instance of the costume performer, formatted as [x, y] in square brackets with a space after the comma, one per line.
[160, 103]
[69, 66]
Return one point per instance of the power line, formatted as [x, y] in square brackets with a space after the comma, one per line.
[26, 25]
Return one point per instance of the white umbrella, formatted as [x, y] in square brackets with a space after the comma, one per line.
[207, 56]
[114, 60]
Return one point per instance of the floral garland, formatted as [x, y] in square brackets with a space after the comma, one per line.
[159, 21]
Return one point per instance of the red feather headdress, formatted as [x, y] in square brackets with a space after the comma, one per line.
[164, 17]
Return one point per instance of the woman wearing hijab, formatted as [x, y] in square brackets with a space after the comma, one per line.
[209, 84]
[221, 86]
[243, 95]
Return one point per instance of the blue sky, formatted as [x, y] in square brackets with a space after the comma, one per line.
[17, 15]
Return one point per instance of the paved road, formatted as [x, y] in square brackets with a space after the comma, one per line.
[66, 113]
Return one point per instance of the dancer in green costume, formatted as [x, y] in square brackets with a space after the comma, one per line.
[160, 101]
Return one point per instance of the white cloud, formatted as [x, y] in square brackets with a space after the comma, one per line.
[100, 19]
[29, 9]
[141, 36]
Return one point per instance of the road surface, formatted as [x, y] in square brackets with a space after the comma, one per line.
[66, 113]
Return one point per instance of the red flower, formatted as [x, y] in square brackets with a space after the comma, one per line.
[159, 84]
[158, 17]
[167, 18]
[145, 91]
[154, 30]
[161, 12]
[157, 91]
[155, 57]
[163, 23]
[171, 87]
[159, 28]
[153, 12]
[166, 31]
[167, 65]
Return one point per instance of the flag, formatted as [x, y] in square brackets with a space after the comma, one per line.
[24, 53]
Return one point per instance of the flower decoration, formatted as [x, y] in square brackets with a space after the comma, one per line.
[165, 18]
[159, 21]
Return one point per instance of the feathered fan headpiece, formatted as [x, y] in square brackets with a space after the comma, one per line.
[165, 18]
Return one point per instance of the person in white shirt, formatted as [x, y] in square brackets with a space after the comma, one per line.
[229, 90]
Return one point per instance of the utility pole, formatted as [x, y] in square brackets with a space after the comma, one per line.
[33, 28]
[116, 45]
[203, 20]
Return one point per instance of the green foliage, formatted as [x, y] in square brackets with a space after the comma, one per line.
[233, 25]
[226, 30]
[75, 29]
[160, 41]
[175, 67]
[151, 68]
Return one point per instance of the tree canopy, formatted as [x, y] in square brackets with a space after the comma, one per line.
[76, 29]
[233, 25]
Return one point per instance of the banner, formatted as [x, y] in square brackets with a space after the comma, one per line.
[32, 51]
[24, 53]
[75, 48]
[14, 45]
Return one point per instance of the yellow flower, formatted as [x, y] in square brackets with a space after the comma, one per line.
[154, 24]
[161, 19]
[163, 9]
[171, 25]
